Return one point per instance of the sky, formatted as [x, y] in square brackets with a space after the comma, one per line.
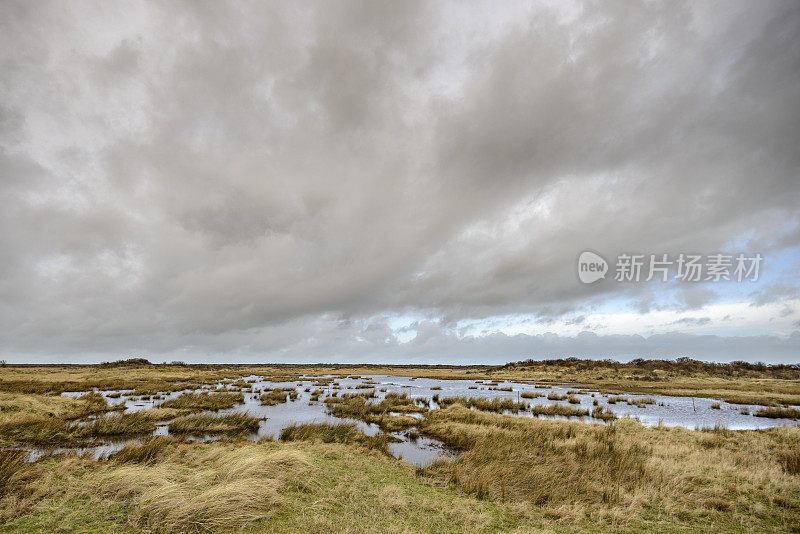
[395, 182]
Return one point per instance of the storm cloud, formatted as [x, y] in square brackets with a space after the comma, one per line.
[242, 181]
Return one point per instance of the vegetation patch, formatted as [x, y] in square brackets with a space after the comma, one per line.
[212, 424]
[204, 401]
[274, 396]
[480, 403]
[778, 413]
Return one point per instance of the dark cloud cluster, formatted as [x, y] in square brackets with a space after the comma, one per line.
[202, 177]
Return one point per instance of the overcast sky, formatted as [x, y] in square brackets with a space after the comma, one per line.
[394, 181]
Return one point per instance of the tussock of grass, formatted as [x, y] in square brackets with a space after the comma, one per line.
[603, 414]
[141, 453]
[363, 394]
[204, 493]
[210, 424]
[640, 401]
[11, 464]
[778, 413]
[558, 409]
[90, 404]
[530, 394]
[37, 430]
[789, 460]
[334, 433]
[47, 431]
[555, 396]
[357, 406]
[204, 401]
[274, 396]
[479, 403]
[325, 432]
[133, 423]
[399, 402]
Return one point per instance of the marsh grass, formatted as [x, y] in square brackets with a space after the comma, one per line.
[109, 426]
[274, 396]
[11, 465]
[325, 432]
[194, 490]
[205, 401]
[789, 460]
[235, 423]
[558, 410]
[47, 431]
[357, 406]
[335, 433]
[603, 414]
[145, 452]
[778, 413]
[480, 403]
[538, 462]
[640, 402]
